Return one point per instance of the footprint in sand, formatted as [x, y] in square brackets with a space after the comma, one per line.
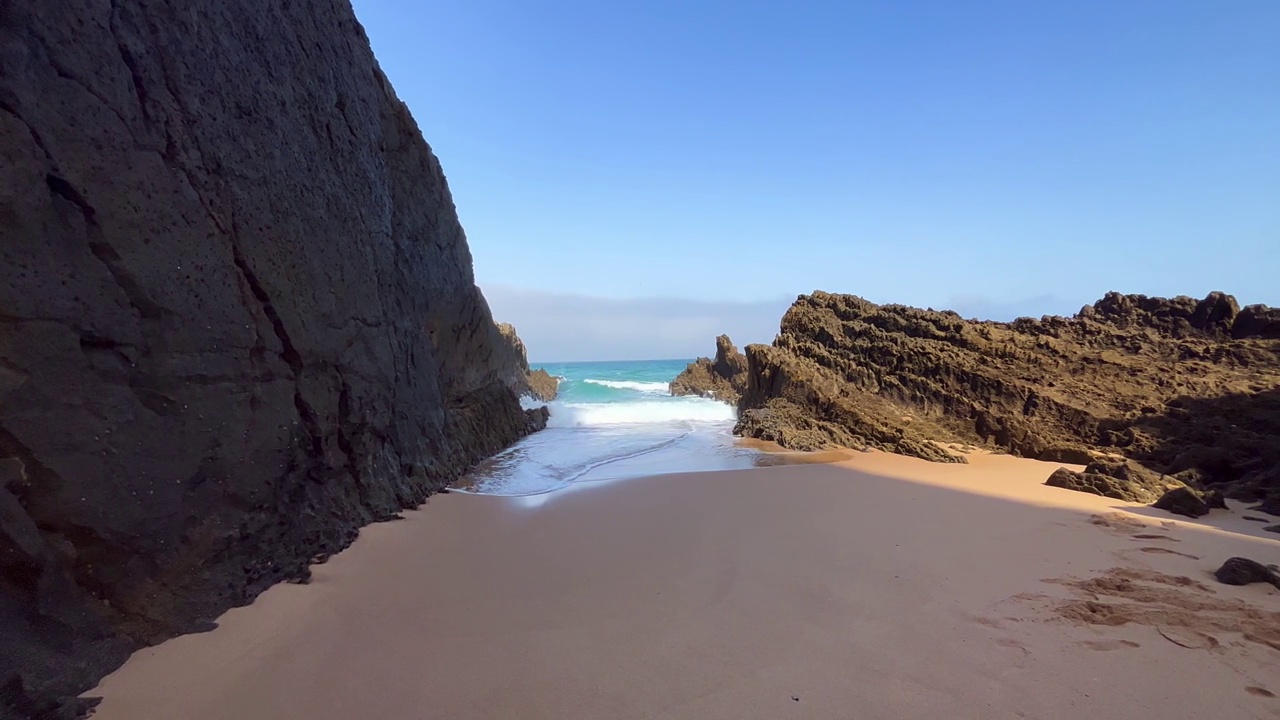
[1122, 524]
[1013, 645]
[1148, 536]
[1167, 551]
[1188, 638]
[1260, 692]
[1108, 645]
[1119, 522]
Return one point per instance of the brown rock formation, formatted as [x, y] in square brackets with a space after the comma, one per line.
[723, 378]
[537, 384]
[237, 320]
[1119, 479]
[1187, 388]
[542, 385]
[1190, 502]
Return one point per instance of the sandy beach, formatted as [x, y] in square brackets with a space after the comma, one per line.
[875, 587]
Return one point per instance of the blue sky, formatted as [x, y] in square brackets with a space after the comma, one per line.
[1001, 158]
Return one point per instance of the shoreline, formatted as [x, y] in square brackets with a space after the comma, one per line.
[877, 586]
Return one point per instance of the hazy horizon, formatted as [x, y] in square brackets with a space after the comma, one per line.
[590, 329]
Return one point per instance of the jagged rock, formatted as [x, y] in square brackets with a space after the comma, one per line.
[1181, 386]
[1190, 502]
[535, 420]
[542, 385]
[1243, 571]
[239, 319]
[1112, 478]
[1257, 321]
[805, 408]
[722, 378]
[537, 384]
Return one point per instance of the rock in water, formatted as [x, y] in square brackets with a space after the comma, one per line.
[1242, 571]
[239, 319]
[723, 378]
[542, 385]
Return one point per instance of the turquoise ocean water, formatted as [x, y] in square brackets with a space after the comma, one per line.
[614, 420]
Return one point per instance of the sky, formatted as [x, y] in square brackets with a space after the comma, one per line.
[660, 161]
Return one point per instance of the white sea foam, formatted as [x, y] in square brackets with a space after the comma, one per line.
[529, 403]
[653, 388]
[676, 410]
[604, 427]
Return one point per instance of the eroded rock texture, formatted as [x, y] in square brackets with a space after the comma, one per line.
[537, 384]
[237, 320]
[1190, 389]
[722, 378]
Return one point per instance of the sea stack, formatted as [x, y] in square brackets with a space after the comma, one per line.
[722, 378]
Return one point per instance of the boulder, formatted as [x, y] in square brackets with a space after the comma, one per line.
[1190, 502]
[1243, 571]
[1215, 314]
[1070, 454]
[1257, 321]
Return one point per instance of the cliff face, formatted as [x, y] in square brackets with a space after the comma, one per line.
[723, 378]
[1188, 388]
[237, 320]
[537, 384]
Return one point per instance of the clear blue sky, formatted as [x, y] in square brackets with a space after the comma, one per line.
[994, 156]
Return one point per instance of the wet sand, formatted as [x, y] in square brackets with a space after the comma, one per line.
[875, 587]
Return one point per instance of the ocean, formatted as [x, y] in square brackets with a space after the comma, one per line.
[614, 420]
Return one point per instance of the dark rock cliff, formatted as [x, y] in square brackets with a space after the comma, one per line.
[1188, 388]
[237, 320]
[722, 378]
[537, 384]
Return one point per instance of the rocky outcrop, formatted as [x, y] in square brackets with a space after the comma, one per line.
[537, 384]
[1119, 479]
[542, 385]
[237, 320]
[1188, 389]
[722, 378]
[1257, 321]
[799, 405]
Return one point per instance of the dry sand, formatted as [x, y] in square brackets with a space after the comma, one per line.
[877, 587]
